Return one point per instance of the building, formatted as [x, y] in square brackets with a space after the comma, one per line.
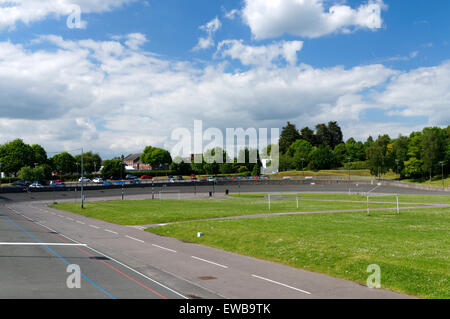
[133, 163]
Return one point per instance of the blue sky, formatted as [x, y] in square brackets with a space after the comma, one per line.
[374, 66]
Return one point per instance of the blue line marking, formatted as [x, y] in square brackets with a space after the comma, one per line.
[37, 240]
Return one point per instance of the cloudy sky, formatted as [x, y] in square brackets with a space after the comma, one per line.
[131, 71]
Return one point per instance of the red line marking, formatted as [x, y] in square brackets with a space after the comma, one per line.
[91, 255]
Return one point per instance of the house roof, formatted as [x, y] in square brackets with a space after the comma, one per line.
[132, 157]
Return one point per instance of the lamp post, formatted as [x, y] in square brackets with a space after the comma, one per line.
[1, 175]
[82, 179]
[442, 166]
[397, 161]
[348, 161]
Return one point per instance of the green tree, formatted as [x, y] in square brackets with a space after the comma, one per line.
[91, 162]
[64, 163]
[14, 155]
[289, 134]
[322, 157]
[113, 169]
[340, 154]
[299, 150]
[40, 155]
[377, 156]
[156, 157]
[433, 149]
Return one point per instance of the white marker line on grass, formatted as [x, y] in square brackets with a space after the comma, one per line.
[281, 284]
[135, 239]
[174, 251]
[210, 262]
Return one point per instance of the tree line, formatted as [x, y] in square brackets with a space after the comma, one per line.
[421, 154]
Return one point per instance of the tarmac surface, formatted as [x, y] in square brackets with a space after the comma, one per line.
[39, 247]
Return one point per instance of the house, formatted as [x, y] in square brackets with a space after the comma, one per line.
[133, 163]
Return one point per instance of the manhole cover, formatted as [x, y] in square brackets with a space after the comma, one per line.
[207, 278]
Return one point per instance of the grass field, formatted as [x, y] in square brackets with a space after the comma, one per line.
[171, 210]
[334, 172]
[412, 249]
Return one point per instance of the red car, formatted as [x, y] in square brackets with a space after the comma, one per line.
[193, 177]
[146, 177]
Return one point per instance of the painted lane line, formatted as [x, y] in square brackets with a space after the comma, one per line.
[93, 226]
[110, 231]
[281, 284]
[174, 251]
[210, 262]
[61, 216]
[40, 244]
[71, 219]
[81, 222]
[135, 239]
[100, 253]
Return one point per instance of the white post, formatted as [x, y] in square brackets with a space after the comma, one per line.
[398, 207]
[296, 197]
[368, 211]
[269, 200]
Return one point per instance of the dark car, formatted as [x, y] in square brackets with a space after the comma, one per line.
[21, 182]
[135, 181]
[180, 178]
[129, 176]
[57, 184]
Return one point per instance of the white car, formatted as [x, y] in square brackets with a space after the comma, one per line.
[98, 180]
[84, 180]
[36, 185]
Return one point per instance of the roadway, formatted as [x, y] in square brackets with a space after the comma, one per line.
[38, 243]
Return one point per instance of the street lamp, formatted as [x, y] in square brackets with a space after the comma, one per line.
[397, 161]
[1, 175]
[442, 166]
[348, 160]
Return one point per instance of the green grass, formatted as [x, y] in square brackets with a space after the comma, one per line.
[412, 249]
[435, 182]
[426, 199]
[333, 172]
[172, 210]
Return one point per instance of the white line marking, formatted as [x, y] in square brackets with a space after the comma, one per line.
[135, 239]
[81, 222]
[40, 244]
[61, 216]
[207, 261]
[279, 283]
[104, 255]
[174, 251]
[110, 231]
[71, 219]
[93, 226]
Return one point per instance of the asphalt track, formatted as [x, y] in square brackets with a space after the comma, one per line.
[37, 244]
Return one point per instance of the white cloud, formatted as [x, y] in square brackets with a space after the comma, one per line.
[308, 18]
[114, 99]
[260, 55]
[29, 11]
[210, 28]
[232, 14]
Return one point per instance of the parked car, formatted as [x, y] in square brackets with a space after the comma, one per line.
[180, 178]
[57, 184]
[172, 180]
[211, 179]
[120, 183]
[84, 180]
[98, 180]
[107, 183]
[193, 177]
[135, 181]
[146, 177]
[36, 185]
[21, 182]
[130, 176]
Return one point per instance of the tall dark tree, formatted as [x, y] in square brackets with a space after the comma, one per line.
[433, 149]
[289, 134]
[336, 136]
[307, 134]
[64, 163]
[40, 155]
